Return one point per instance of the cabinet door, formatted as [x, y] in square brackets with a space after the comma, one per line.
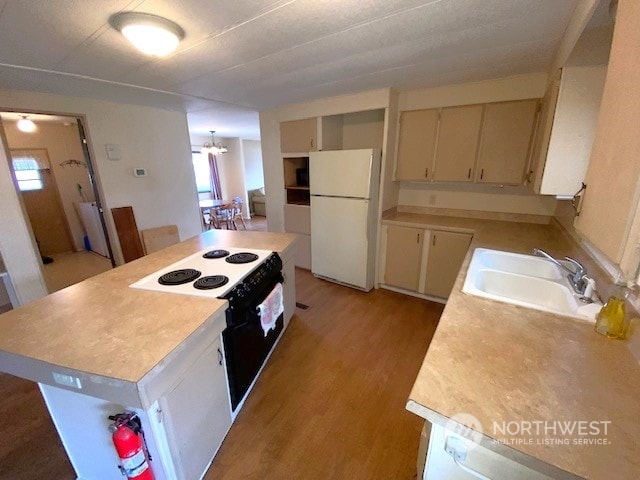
[506, 137]
[609, 218]
[543, 132]
[446, 254]
[289, 286]
[404, 249]
[299, 136]
[198, 414]
[457, 145]
[416, 144]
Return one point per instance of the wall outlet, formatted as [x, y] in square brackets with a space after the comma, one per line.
[67, 380]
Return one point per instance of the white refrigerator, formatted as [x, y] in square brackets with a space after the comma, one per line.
[344, 198]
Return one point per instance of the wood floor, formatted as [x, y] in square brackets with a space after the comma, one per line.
[329, 404]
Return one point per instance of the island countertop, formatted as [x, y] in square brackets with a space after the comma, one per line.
[103, 327]
[505, 363]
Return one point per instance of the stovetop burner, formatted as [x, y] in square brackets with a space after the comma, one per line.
[178, 277]
[242, 257]
[210, 282]
[216, 254]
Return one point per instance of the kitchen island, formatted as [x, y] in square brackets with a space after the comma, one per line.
[505, 364]
[99, 347]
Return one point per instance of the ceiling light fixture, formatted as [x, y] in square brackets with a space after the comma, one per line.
[26, 125]
[213, 147]
[150, 34]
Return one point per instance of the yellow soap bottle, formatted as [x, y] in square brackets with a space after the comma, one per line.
[611, 320]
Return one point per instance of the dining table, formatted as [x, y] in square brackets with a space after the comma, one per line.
[213, 204]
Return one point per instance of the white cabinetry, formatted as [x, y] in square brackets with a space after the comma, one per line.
[440, 465]
[569, 123]
[197, 413]
[289, 274]
[297, 219]
[423, 261]
[183, 405]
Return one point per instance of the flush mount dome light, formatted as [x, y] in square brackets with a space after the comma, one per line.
[150, 34]
[26, 125]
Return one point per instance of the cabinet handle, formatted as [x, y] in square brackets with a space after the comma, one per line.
[418, 238]
[434, 240]
[284, 277]
[469, 174]
[312, 143]
[527, 179]
[219, 357]
[426, 172]
[481, 173]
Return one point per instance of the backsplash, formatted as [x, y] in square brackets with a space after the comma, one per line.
[477, 198]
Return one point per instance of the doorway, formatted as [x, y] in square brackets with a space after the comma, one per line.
[53, 175]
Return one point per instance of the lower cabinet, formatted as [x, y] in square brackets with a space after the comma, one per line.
[289, 287]
[424, 261]
[197, 413]
[446, 254]
[404, 249]
[479, 462]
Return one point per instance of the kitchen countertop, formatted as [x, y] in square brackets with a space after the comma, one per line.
[502, 363]
[102, 327]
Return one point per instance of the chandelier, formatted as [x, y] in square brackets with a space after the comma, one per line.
[213, 147]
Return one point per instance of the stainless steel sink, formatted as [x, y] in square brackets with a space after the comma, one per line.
[524, 280]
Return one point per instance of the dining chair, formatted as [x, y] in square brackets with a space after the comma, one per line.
[207, 219]
[236, 212]
[221, 217]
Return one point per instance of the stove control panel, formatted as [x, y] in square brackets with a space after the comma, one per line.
[254, 282]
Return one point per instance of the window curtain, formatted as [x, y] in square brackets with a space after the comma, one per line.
[216, 190]
[32, 159]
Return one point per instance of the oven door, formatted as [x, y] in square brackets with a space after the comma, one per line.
[246, 348]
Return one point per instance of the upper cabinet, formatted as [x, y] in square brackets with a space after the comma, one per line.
[506, 141]
[609, 216]
[567, 126]
[457, 146]
[486, 143]
[299, 136]
[416, 144]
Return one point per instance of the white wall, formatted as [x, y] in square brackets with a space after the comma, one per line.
[270, 139]
[253, 171]
[472, 197]
[62, 144]
[232, 172]
[17, 245]
[148, 137]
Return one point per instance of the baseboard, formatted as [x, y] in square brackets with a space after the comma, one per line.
[414, 294]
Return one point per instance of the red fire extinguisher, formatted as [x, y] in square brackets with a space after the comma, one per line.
[128, 438]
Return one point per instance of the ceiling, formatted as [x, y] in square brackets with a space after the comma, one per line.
[36, 117]
[246, 55]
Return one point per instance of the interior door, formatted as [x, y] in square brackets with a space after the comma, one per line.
[339, 239]
[45, 212]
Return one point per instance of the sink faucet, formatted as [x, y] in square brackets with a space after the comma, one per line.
[576, 277]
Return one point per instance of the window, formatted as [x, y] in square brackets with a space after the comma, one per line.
[28, 164]
[201, 169]
[29, 180]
